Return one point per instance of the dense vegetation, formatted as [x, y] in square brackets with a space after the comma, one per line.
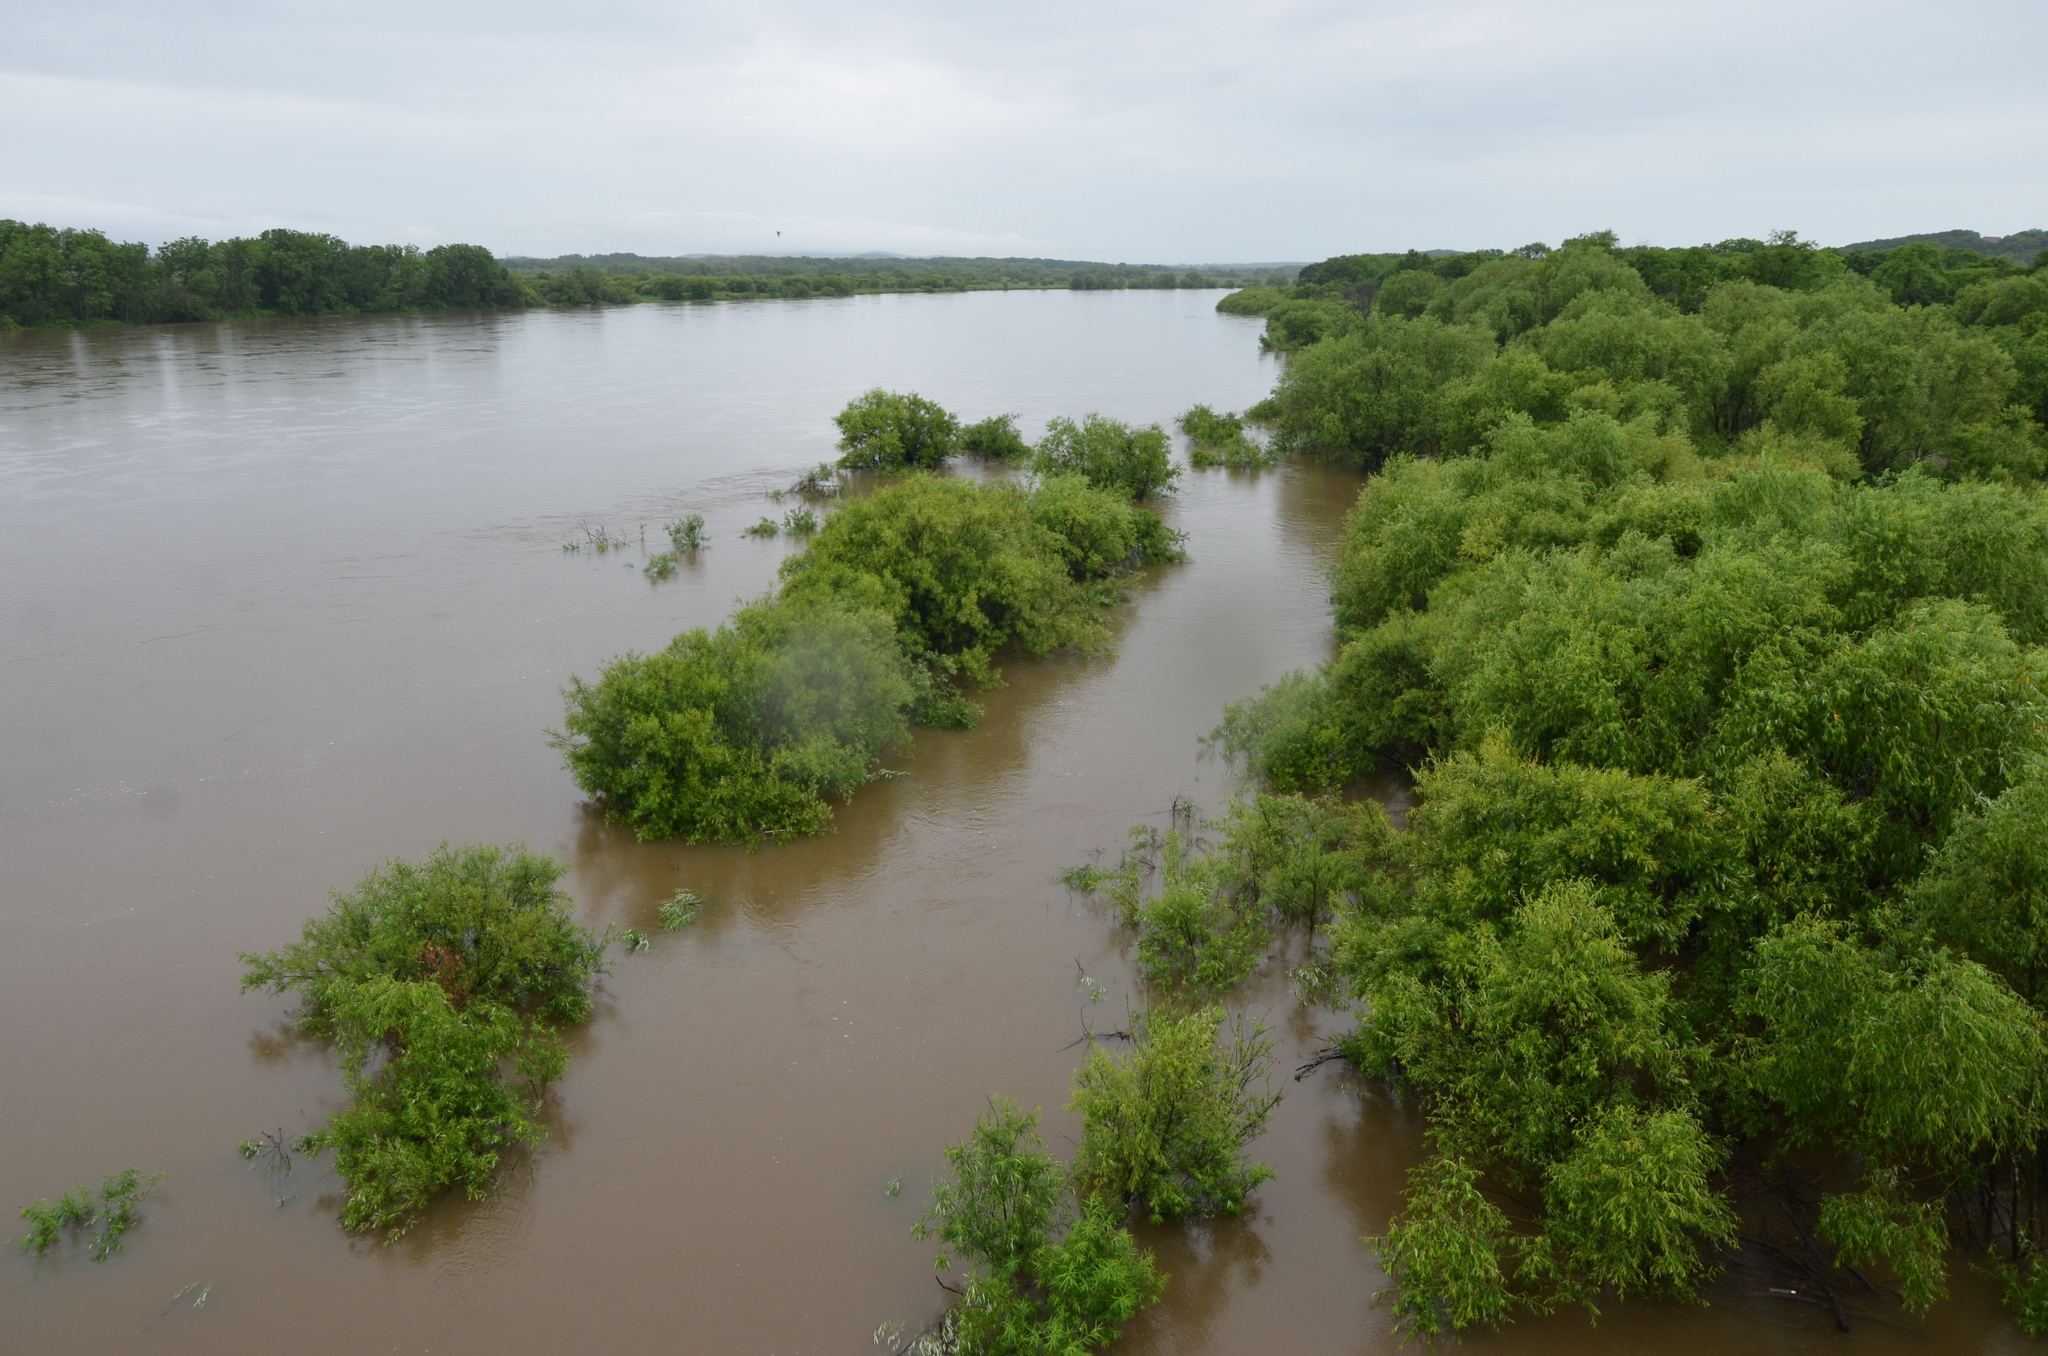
[431, 979]
[749, 732]
[1704, 593]
[68, 277]
[1706, 345]
[1134, 462]
[60, 276]
[2022, 247]
[703, 277]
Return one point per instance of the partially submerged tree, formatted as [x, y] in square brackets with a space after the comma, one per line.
[890, 431]
[432, 978]
[1049, 1272]
[1136, 463]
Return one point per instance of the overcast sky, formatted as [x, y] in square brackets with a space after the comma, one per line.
[1110, 129]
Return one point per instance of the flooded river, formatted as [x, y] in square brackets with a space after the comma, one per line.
[281, 600]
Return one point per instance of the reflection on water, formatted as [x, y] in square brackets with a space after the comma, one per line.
[281, 600]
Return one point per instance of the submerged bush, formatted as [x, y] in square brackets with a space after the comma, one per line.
[995, 439]
[744, 733]
[748, 732]
[1049, 1273]
[963, 569]
[1134, 462]
[430, 977]
[1165, 1127]
[889, 431]
[1220, 440]
[101, 1217]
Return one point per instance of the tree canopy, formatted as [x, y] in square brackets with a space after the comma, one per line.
[1703, 593]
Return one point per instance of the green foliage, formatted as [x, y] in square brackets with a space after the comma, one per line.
[1629, 1208]
[1294, 325]
[1986, 892]
[995, 439]
[686, 534]
[743, 733]
[71, 277]
[702, 277]
[963, 569]
[660, 565]
[747, 733]
[1450, 1253]
[1276, 861]
[484, 922]
[1136, 463]
[1220, 440]
[679, 910]
[1907, 1057]
[1048, 1274]
[1194, 936]
[891, 432]
[427, 1108]
[1722, 342]
[430, 977]
[1703, 593]
[800, 522]
[764, 528]
[103, 1216]
[1257, 300]
[1166, 1126]
[1881, 1223]
[2026, 1293]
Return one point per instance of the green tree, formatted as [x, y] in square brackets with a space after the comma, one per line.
[887, 431]
[1108, 454]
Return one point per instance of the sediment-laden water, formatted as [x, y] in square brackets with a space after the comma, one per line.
[281, 600]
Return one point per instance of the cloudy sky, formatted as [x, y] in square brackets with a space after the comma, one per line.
[1104, 129]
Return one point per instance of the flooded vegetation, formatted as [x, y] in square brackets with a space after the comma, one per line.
[1589, 920]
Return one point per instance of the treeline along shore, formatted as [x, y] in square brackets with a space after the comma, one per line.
[55, 277]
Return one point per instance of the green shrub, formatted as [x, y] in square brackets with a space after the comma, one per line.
[686, 534]
[961, 570]
[1252, 301]
[485, 922]
[1109, 454]
[1220, 440]
[888, 431]
[427, 1108]
[746, 733]
[743, 733]
[430, 977]
[1294, 325]
[1450, 1254]
[1048, 1274]
[995, 439]
[1166, 1126]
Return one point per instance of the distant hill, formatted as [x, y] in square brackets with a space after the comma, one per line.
[2020, 246]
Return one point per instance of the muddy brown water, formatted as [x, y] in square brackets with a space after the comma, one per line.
[281, 600]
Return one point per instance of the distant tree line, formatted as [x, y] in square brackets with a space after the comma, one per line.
[575, 280]
[53, 276]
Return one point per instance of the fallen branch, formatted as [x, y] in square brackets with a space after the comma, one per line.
[1322, 1057]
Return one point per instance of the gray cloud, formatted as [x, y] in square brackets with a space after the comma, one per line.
[1192, 132]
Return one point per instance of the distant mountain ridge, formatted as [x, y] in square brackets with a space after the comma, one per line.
[2020, 246]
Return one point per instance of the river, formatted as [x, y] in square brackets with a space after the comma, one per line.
[282, 600]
